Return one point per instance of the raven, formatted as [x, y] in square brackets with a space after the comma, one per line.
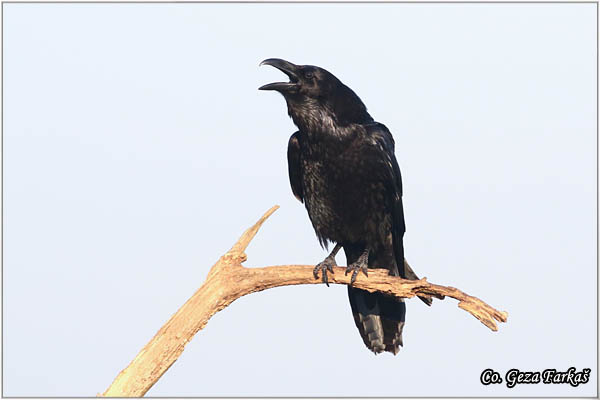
[341, 164]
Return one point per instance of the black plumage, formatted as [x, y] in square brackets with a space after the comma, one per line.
[342, 166]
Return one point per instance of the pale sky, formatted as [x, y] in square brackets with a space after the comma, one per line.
[137, 149]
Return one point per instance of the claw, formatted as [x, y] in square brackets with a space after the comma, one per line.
[316, 271]
[324, 266]
[327, 264]
[362, 264]
[353, 279]
[355, 268]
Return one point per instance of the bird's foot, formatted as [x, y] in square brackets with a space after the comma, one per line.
[362, 264]
[324, 266]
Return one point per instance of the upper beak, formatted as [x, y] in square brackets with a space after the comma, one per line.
[286, 67]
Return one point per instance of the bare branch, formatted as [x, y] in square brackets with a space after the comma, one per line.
[228, 280]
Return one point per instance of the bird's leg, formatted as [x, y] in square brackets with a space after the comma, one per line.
[327, 264]
[362, 264]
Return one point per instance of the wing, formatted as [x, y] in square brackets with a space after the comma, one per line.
[384, 144]
[295, 166]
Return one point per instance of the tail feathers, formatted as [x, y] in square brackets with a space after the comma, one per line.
[379, 319]
[393, 339]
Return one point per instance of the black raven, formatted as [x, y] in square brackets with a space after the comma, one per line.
[342, 165]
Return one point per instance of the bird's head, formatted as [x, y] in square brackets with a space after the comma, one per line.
[312, 88]
[304, 80]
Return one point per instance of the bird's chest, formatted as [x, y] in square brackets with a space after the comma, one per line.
[341, 191]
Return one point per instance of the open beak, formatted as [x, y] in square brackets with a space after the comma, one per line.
[287, 68]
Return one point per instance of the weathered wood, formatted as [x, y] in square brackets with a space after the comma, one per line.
[228, 280]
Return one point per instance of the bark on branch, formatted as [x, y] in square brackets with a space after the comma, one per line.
[228, 280]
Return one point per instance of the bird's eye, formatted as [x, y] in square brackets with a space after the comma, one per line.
[308, 75]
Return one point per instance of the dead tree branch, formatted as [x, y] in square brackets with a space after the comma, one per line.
[228, 280]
